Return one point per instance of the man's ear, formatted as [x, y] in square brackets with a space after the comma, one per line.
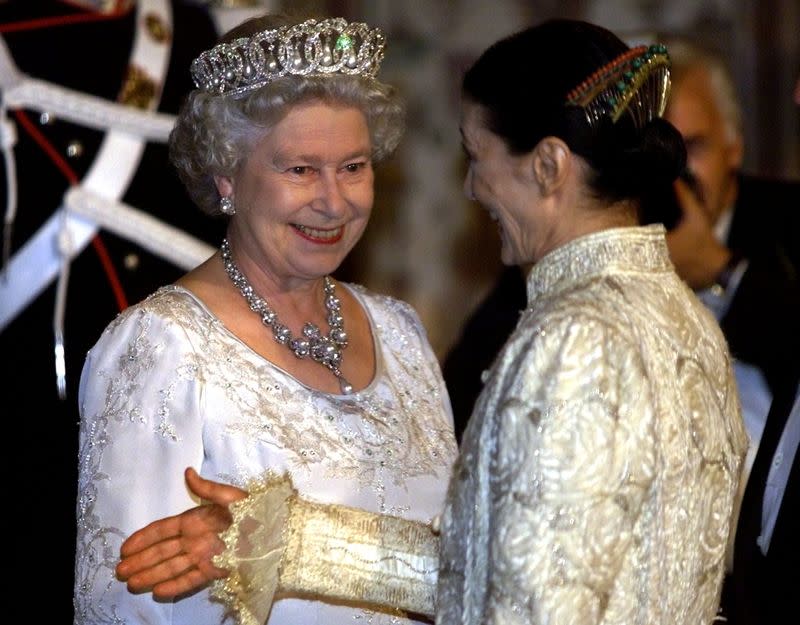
[224, 186]
[551, 160]
[735, 153]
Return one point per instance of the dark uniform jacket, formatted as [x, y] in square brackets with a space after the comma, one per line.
[91, 57]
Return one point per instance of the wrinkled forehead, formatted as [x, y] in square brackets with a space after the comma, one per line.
[472, 121]
[319, 131]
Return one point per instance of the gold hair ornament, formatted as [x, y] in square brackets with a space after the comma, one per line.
[331, 46]
[637, 82]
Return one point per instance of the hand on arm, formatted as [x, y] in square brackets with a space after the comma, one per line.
[697, 255]
[173, 556]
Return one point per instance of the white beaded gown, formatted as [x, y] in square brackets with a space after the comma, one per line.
[599, 472]
[167, 387]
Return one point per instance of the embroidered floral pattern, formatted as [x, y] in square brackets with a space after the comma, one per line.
[168, 386]
[599, 471]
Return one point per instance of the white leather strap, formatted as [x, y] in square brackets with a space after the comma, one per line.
[22, 91]
[88, 110]
[168, 242]
[38, 262]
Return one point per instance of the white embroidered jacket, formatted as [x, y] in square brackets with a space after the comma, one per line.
[599, 473]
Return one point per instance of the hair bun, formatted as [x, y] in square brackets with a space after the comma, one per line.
[663, 150]
[631, 164]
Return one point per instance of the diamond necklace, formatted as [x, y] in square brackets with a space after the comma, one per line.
[326, 350]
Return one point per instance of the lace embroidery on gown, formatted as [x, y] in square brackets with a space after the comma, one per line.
[167, 386]
[280, 543]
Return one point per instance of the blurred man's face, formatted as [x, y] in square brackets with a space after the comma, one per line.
[714, 156]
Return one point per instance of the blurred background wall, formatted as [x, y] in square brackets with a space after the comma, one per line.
[426, 243]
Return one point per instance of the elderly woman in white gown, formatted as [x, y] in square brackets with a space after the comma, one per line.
[259, 360]
[598, 477]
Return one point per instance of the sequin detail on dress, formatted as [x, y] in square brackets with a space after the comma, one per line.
[167, 386]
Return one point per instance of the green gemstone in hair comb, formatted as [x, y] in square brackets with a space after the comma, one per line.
[636, 82]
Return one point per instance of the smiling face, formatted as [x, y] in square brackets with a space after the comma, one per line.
[501, 184]
[304, 194]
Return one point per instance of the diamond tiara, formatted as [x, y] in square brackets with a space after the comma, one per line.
[331, 46]
[636, 81]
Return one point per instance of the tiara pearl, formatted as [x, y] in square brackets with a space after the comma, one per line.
[331, 46]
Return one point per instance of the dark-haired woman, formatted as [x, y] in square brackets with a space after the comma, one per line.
[599, 471]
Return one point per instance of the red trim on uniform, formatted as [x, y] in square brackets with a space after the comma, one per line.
[72, 178]
[48, 148]
[62, 20]
[111, 272]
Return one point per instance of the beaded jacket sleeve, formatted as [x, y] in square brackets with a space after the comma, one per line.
[167, 386]
[280, 543]
[599, 473]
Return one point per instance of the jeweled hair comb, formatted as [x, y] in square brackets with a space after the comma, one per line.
[331, 46]
[637, 82]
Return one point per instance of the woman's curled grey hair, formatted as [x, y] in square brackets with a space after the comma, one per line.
[213, 135]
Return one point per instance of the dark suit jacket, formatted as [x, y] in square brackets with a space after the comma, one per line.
[762, 324]
[482, 336]
[761, 588]
[763, 327]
